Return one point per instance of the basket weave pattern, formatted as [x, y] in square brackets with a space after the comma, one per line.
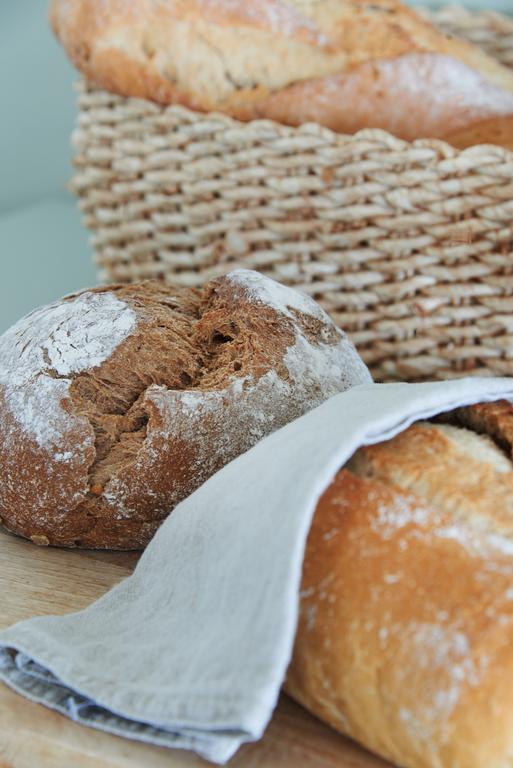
[490, 30]
[409, 246]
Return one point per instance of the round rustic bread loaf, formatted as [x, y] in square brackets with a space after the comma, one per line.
[406, 622]
[118, 402]
[346, 64]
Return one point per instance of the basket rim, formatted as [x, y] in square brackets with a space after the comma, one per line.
[85, 89]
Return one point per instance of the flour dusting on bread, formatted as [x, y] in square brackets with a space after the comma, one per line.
[142, 392]
[303, 365]
[276, 295]
[283, 18]
[41, 352]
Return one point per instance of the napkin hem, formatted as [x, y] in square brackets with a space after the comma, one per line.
[215, 744]
[228, 705]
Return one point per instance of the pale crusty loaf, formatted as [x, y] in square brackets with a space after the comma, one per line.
[347, 64]
[116, 403]
[406, 630]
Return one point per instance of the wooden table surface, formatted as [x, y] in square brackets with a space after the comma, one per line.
[37, 580]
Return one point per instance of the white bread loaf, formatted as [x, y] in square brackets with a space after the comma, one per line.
[347, 64]
[406, 630]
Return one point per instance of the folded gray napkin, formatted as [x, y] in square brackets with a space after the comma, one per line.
[191, 650]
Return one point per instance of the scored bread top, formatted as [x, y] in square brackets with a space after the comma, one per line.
[289, 60]
[118, 402]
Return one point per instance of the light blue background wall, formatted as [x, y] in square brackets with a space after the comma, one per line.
[44, 250]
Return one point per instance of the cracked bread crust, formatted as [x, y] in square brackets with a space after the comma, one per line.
[118, 402]
[346, 64]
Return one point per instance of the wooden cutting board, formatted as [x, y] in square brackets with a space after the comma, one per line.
[37, 580]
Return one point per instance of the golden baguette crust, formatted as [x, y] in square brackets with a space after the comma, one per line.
[498, 131]
[406, 617]
[346, 64]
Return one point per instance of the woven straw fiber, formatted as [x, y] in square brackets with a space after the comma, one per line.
[409, 246]
[490, 30]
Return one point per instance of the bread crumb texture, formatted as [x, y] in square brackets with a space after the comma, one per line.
[118, 402]
[406, 627]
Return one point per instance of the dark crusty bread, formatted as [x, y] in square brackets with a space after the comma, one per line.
[406, 628]
[347, 64]
[116, 403]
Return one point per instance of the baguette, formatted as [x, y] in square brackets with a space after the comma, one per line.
[346, 64]
[406, 616]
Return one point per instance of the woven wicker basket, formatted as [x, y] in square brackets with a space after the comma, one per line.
[408, 246]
